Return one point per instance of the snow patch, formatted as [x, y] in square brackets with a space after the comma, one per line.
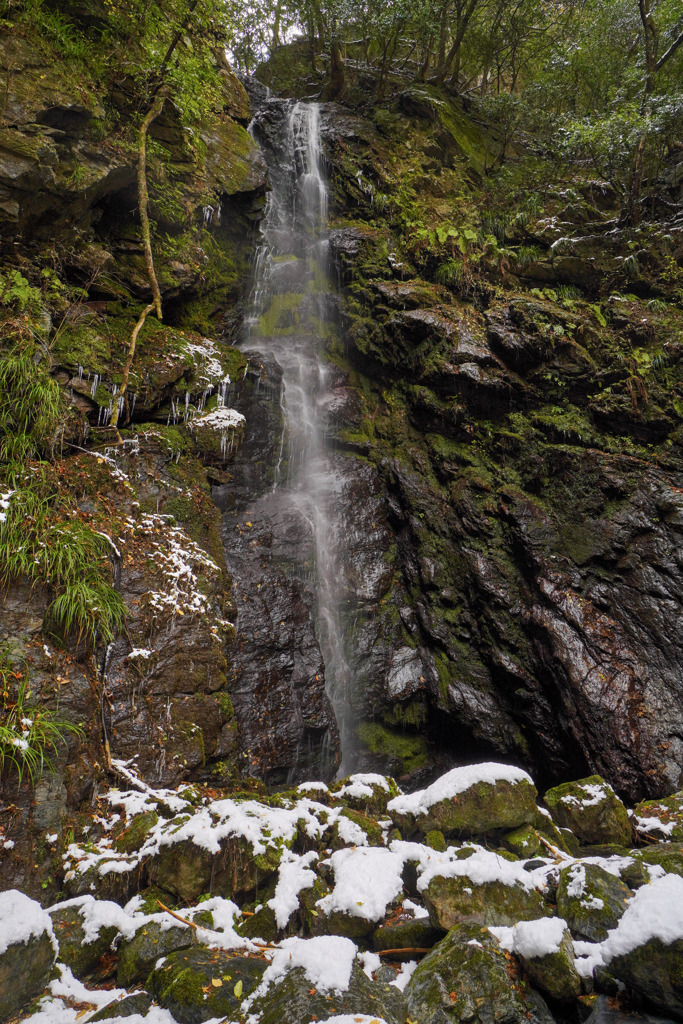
[22, 919]
[327, 961]
[366, 880]
[538, 938]
[294, 875]
[454, 782]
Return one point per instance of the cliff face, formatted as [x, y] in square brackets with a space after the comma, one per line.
[518, 390]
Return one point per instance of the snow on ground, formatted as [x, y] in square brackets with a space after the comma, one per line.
[366, 881]
[55, 1007]
[294, 874]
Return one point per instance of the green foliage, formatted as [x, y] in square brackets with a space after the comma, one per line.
[30, 406]
[17, 293]
[28, 733]
[40, 538]
[41, 542]
[451, 273]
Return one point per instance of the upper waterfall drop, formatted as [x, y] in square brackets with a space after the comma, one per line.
[291, 319]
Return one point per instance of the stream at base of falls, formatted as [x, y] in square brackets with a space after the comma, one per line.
[294, 537]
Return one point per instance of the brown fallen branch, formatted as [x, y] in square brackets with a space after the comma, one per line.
[183, 920]
[408, 949]
[557, 854]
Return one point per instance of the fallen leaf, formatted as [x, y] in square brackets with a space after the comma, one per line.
[238, 989]
[216, 982]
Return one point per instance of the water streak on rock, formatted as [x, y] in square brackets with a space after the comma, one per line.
[292, 315]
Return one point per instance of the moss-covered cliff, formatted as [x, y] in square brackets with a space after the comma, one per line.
[516, 356]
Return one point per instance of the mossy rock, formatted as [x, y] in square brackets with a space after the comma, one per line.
[130, 834]
[468, 977]
[24, 972]
[138, 955]
[369, 829]
[453, 900]
[668, 856]
[662, 819]
[339, 923]
[364, 795]
[398, 752]
[148, 900]
[481, 808]
[591, 810]
[198, 984]
[309, 913]
[116, 885]
[523, 842]
[435, 840]
[552, 972]
[129, 1006]
[295, 999]
[654, 970]
[591, 900]
[260, 925]
[188, 871]
[405, 932]
[81, 956]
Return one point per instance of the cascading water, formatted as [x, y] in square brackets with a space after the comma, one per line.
[290, 320]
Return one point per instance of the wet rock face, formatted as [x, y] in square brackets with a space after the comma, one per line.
[536, 519]
[286, 724]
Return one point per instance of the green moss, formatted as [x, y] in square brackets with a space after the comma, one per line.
[435, 840]
[186, 987]
[408, 752]
[412, 715]
[226, 706]
[283, 316]
[132, 835]
[83, 346]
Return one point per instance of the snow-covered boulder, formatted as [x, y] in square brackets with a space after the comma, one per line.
[480, 886]
[27, 951]
[367, 792]
[467, 976]
[591, 900]
[591, 810]
[367, 881]
[85, 929]
[546, 952]
[645, 950]
[325, 978]
[469, 801]
[661, 819]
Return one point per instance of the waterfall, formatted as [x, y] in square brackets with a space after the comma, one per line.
[291, 317]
